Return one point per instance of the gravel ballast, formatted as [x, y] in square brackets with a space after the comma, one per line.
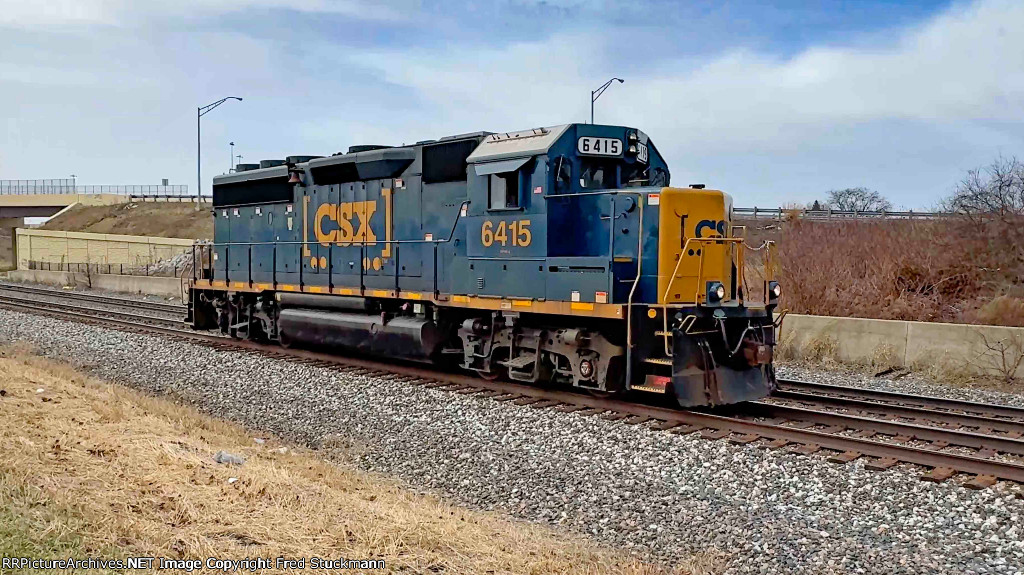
[657, 494]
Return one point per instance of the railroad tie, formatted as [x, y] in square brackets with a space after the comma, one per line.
[614, 416]
[986, 452]
[715, 433]
[489, 394]
[880, 464]
[570, 408]
[778, 443]
[509, 397]
[981, 482]
[545, 403]
[638, 419]
[845, 457]
[744, 439]
[525, 400]
[938, 475]
[805, 448]
[665, 425]
[685, 429]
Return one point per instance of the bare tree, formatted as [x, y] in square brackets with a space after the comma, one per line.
[858, 200]
[994, 190]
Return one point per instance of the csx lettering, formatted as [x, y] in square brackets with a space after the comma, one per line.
[342, 215]
[716, 226]
[517, 232]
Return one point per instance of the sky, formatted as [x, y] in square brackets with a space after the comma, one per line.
[775, 103]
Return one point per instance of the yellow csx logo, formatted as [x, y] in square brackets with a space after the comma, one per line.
[351, 226]
[344, 215]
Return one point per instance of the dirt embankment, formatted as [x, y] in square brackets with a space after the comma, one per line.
[98, 470]
[164, 220]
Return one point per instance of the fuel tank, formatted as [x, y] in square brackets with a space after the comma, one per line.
[404, 337]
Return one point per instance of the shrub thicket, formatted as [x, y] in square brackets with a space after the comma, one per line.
[961, 269]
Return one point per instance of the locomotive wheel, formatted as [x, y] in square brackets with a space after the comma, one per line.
[487, 375]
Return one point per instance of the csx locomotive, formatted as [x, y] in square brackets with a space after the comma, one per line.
[553, 255]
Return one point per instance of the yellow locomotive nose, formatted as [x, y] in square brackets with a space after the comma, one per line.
[695, 253]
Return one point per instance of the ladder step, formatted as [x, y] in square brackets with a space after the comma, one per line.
[518, 363]
[663, 333]
[659, 360]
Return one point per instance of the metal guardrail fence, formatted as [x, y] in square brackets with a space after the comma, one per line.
[68, 186]
[782, 213]
[149, 270]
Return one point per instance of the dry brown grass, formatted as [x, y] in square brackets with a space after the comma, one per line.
[136, 473]
[956, 270]
[157, 219]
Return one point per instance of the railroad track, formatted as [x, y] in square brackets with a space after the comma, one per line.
[79, 312]
[94, 298]
[948, 437]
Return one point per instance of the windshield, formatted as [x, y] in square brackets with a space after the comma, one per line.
[598, 175]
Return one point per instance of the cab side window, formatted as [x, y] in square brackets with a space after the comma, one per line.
[503, 192]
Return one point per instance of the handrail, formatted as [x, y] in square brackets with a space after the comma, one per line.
[639, 264]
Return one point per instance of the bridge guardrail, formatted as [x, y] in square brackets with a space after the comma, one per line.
[782, 213]
[69, 186]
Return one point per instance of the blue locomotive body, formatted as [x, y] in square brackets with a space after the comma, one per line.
[536, 255]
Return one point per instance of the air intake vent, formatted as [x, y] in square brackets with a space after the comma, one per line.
[367, 148]
[271, 163]
[300, 159]
[246, 167]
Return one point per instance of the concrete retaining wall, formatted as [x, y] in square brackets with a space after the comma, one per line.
[976, 349]
[83, 248]
[165, 287]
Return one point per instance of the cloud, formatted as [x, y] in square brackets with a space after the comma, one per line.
[905, 110]
[960, 73]
[68, 13]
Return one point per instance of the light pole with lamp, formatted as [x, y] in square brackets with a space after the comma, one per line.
[231, 158]
[200, 112]
[595, 94]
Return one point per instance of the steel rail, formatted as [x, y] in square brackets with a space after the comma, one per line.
[68, 309]
[985, 409]
[909, 430]
[741, 428]
[900, 410]
[96, 298]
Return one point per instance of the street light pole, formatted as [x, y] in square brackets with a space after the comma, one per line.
[231, 158]
[200, 112]
[595, 94]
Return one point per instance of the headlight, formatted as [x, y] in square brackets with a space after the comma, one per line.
[716, 292]
[774, 289]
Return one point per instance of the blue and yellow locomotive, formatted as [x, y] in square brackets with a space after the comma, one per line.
[555, 254]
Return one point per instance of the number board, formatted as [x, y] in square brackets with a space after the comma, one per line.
[599, 146]
[515, 232]
[641, 152]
